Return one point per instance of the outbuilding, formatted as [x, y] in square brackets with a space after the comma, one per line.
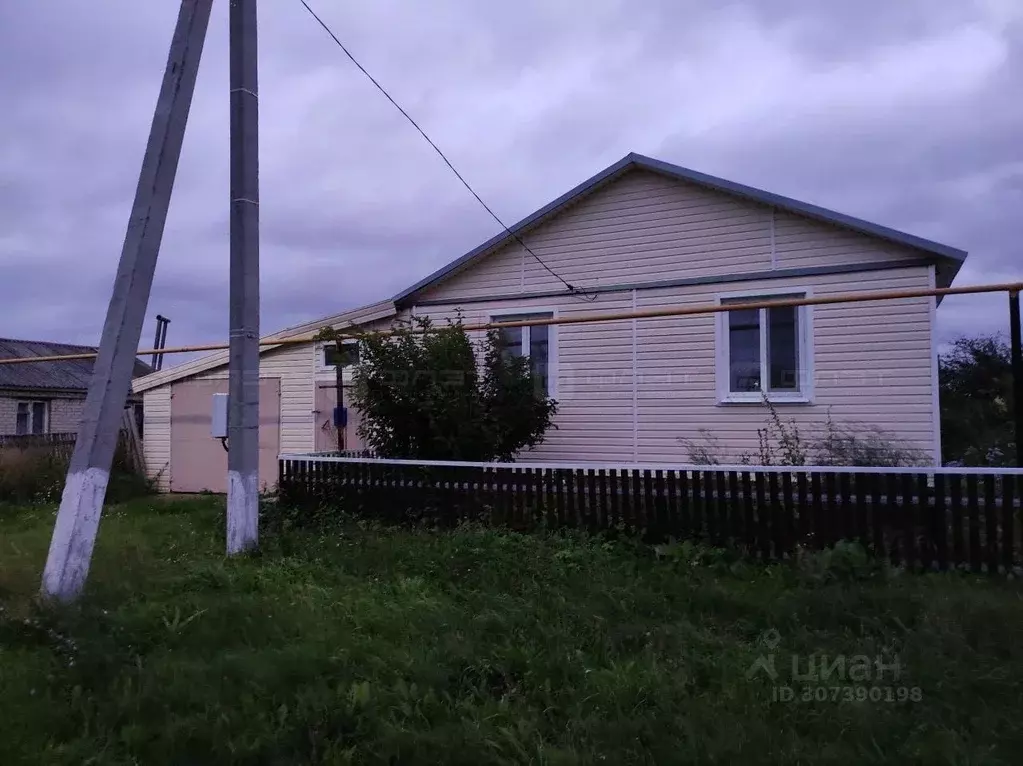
[297, 398]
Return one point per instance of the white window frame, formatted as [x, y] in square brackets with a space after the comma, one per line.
[28, 403]
[505, 314]
[324, 370]
[804, 322]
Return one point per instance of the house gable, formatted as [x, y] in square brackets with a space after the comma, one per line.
[642, 221]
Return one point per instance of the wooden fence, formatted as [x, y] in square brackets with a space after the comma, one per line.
[61, 445]
[915, 517]
[57, 444]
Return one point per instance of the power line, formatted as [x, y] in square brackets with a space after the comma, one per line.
[435, 147]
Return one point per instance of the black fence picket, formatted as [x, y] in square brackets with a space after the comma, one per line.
[921, 519]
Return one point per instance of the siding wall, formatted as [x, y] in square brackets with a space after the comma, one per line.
[293, 365]
[156, 404]
[873, 361]
[296, 366]
[644, 227]
[872, 367]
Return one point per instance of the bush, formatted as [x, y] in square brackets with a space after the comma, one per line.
[431, 393]
[977, 403]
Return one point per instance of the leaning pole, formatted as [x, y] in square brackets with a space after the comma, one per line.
[74, 533]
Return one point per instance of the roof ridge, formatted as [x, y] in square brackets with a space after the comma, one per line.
[48, 343]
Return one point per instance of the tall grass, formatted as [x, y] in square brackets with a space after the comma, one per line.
[36, 474]
[358, 644]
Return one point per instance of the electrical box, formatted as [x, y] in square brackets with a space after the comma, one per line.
[340, 417]
[218, 428]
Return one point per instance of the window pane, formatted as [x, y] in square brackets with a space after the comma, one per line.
[783, 348]
[538, 356]
[21, 421]
[38, 417]
[744, 350]
[349, 355]
[510, 341]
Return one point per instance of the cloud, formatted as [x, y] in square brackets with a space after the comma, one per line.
[901, 113]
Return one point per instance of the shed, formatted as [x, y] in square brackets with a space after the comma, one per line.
[297, 397]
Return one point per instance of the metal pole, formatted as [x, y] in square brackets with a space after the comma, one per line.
[163, 340]
[74, 534]
[342, 430]
[1017, 372]
[243, 385]
[155, 359]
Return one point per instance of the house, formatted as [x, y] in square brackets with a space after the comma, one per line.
[47, 397]
[645, 234]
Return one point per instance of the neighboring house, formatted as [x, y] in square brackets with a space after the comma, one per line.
[47, 397]
[645, 234]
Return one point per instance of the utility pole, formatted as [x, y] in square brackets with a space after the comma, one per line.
[243, 384]
[74, 534]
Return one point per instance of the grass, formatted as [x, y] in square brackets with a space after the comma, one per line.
[358, 644]
[36, 474]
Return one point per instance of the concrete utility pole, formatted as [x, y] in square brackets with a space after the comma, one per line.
[74, 533]
[243, 385]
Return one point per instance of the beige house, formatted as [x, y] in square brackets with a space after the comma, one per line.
[644, 234]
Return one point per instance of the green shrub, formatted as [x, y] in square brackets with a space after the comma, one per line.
[431, 393]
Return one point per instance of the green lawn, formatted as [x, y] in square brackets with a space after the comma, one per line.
[358, 644]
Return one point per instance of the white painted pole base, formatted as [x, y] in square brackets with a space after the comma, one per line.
[74, 534]
[242, 512]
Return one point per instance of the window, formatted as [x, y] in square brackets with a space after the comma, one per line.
[533, 343]
[348, 356]
[327, 359]
[32, 418]
[764, 350]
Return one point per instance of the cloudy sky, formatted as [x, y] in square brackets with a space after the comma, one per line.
[905, 113]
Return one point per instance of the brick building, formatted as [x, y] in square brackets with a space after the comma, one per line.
[48, 397]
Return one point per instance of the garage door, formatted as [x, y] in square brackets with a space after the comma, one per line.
[198, 462]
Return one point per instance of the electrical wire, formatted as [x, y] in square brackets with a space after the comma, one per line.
[436, 148]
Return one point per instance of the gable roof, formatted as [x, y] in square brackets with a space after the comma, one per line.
[357, 316]
[953, 256]
[65, 375]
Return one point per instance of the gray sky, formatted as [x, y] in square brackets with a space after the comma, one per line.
[907, 114]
